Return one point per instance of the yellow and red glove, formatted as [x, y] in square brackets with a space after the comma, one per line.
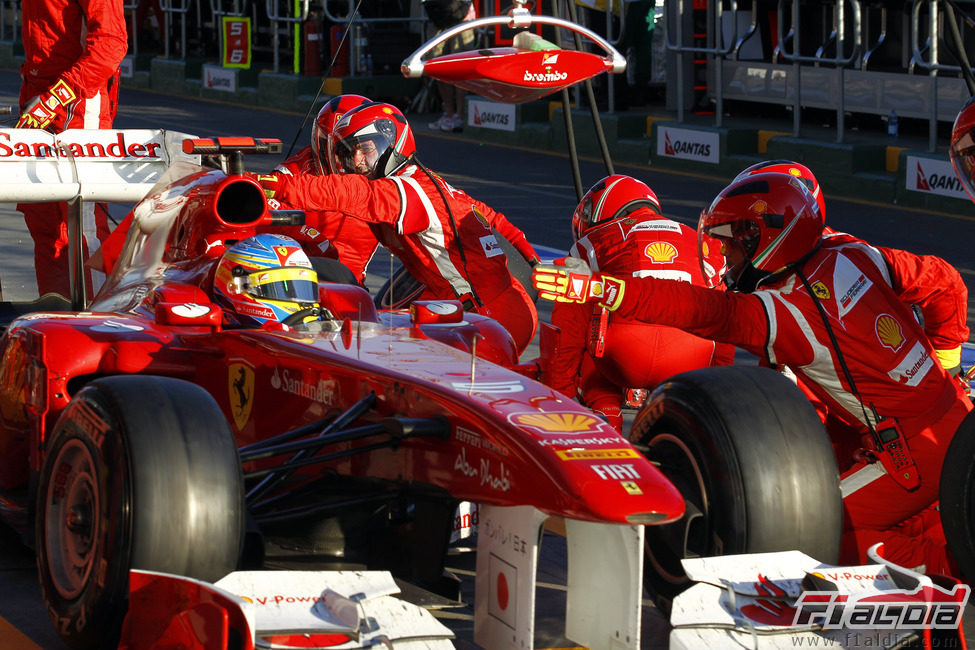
[570, 279]
[49, 109]
[270, 182]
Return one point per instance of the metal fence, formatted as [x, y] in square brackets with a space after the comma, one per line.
[845, 56]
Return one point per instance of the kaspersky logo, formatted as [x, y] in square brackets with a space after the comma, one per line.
[549, 423]
[661, 252]
[889, 332]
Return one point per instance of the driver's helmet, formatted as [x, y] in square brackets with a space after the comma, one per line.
[772, 219]
[962, 149]
[374, 140]
[612, 198]
[331, 112]
[798, 170]
[265, 278]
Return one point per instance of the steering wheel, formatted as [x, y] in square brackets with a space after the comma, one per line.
[299, 316]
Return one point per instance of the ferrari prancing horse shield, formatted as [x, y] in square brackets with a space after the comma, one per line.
[240, 385]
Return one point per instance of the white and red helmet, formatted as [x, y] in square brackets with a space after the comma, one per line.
[381, 130]
[610, 199]
[772, 217]
[792, 168]
[962, 148]
[331, 112]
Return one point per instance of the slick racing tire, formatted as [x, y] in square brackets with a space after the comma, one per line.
[957, 495]
[405, 288]
[753, 462]
[140, 472]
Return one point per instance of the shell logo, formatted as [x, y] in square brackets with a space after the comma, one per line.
[558, 422]
[889, 332]
[795, 172]
[661, 251]
[759, 206]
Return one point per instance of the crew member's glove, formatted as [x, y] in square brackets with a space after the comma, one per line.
[270, 182]
[570, 279]
[49, 109]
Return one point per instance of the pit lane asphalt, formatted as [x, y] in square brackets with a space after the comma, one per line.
[535, 191]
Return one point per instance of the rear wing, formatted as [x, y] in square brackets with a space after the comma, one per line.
[78, 166]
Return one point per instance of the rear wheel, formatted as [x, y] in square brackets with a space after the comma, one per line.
[957, 497]
[753, 462]
[140, 472]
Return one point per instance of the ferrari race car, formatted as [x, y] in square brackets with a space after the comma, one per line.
[141, 436]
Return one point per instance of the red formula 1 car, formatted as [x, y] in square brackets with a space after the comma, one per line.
[143, 433]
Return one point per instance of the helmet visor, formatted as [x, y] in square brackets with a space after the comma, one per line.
[284, 284]
[962, 154]
[365, 151]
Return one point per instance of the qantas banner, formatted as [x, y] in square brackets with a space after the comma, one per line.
[490, 115]
[688, 144]
[933, 176]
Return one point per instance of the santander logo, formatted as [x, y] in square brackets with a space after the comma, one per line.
[117, 148]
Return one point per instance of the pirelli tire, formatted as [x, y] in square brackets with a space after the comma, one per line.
[139, 472]
[756, 468]
[957, 496]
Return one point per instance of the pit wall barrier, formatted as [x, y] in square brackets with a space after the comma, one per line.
[868, 166]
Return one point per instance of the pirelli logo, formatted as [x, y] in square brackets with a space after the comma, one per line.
[596, 454]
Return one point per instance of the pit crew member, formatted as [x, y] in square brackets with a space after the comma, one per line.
[72, 53]
[349, 240]
[941, 304]
[444, 237]
[833, 312]
[619, 229]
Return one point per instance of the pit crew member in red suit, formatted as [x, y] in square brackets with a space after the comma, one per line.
[444, 237]
[72, 50]
[349, 240]
[840, 317]
[931, 304]
[619, 229]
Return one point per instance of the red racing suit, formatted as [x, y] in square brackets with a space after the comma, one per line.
[604, 354]
[866, 295]
[81, 42]
[454, 252]
[349, 240]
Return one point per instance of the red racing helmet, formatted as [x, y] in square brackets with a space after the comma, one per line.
[962, 148]
[330, 113]
[764, 222]
[374, 140]
[612, 198]
[798, 170]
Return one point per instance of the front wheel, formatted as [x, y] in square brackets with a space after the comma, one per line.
[140, 472]
[753, 462]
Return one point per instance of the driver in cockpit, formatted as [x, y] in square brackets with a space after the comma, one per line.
[267, 281]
